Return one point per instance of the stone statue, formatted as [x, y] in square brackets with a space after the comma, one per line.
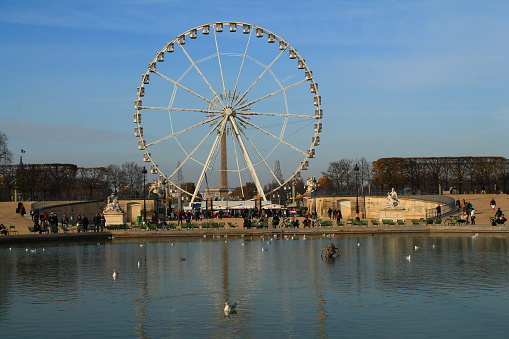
[392, 199]
[113, 205]
[310, 185]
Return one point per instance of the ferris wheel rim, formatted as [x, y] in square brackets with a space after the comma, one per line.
[213, 26]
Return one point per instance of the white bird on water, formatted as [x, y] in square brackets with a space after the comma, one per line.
[408, 257]
[416, 247]
[358, 244]
[264, 249]
[230, 308]
[115, 274]
[139, 264]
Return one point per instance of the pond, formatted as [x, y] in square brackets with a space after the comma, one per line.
[382, 286]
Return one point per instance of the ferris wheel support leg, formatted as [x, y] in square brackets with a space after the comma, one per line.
[207, 163]
[248, 160]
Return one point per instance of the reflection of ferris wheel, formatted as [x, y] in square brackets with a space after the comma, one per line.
[227, 108]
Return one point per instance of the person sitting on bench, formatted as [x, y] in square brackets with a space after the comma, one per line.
[501, 220]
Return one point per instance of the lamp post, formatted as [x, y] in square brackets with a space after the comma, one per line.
[144, 172]
[313, 192]
[356, 170]
[164, 182]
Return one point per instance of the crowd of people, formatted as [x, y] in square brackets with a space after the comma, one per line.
[45, 222]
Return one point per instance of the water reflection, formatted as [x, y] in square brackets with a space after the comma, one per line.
[288, 290]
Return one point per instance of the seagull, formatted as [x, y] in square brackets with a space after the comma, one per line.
[141, 245]
[33, 250]
[204, 235]
[358, 244]
[243, 244]
[115, 274]
[304, 237]
[416, 247]
[139, 264]
[10, 248]
[434, 246]
[264, 249]
[230, 308]
[408, 257]
[172, 244]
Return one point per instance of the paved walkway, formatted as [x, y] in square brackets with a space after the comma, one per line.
[481, 202]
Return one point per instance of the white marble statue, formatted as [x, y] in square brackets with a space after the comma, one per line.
[113, 205]
[310, 184]
[392, 199]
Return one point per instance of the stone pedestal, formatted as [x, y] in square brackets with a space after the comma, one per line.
[114, 218]
[393, 214]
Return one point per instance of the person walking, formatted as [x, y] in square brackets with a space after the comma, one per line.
[493, 204]
[472, 216]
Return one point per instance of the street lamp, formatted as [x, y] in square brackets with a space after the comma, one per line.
[356, 170]
[313, 192]
[164, 182]
[144, 172]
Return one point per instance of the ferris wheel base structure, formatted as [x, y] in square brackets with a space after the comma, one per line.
[227, 100]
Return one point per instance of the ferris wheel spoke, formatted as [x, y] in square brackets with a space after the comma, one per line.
[272, 136]
[238, 165]
[189, 90]
[278, 115]
[190, 155]
[247, 158]
[219, 61]
[247, 104]
[182, 131]
[209, 158]
[180, 109]
[241, 68]
[258, 153]
[267, 68]
[195, 65]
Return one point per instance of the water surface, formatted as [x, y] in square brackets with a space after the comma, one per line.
[452, 286]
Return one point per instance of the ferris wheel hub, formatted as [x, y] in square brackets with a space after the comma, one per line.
[228, 111]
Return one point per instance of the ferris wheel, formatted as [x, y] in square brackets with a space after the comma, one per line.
[225, 101]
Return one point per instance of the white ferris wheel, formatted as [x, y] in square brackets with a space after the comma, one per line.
[225, 101]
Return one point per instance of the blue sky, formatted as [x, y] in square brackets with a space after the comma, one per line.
[397, 78]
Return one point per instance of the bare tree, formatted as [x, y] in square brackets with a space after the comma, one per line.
[115, 177]
[340, 172]
[94, 179]
[133, 177]
[5, 153]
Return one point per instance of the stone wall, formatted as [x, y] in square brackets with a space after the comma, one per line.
[369, 206]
